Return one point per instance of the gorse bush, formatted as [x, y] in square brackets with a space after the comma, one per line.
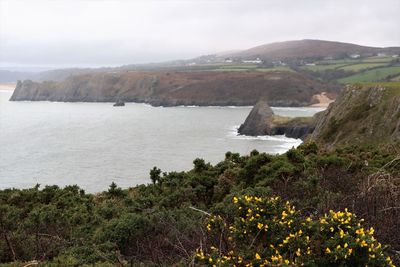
[270, 232]
[155, 224]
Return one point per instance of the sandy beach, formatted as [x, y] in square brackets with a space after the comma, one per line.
[323, 101]
[7, 86]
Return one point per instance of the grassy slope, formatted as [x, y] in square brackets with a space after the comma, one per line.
[366, 113]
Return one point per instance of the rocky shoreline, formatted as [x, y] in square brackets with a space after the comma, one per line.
[361, 114]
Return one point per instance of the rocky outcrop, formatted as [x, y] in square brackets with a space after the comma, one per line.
[300, 127]
[368, 114]
[179, 88]
[263, 121]
[259, 121]
[119, 103]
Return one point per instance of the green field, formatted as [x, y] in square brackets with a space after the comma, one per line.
[371, 75]
[339, 61]
[238, 66]
[377, 59]
[281, 68]
[361, 66]
[323, 67]
[233, 69]
[349, 64]
[374, 59]
[252, 68]
[388, 85]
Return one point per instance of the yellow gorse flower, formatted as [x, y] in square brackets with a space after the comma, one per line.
[293, 246]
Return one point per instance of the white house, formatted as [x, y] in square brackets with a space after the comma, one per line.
[256, 61]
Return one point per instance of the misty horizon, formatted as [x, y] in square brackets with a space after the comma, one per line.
[64, 34]
[46, 67]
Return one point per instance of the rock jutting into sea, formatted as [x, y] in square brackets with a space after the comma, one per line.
[263, 121]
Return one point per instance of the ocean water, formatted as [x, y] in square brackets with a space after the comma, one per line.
[94, 144]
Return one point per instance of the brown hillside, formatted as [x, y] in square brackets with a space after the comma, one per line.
[302, 49]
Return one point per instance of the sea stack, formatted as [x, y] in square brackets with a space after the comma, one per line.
[263, 121]
[258, 121]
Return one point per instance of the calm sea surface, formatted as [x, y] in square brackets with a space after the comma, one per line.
[93, 144]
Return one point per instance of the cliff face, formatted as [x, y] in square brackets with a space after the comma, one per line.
[368, 114]
[263, 121]
[179, 88]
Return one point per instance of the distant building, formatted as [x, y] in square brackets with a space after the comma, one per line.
[355, 55]
[328, 58]
[381, 55]
[256, 61]
[310, 64]
[394, 56]
[228, 60]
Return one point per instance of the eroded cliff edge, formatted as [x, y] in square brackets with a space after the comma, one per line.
[180, 88]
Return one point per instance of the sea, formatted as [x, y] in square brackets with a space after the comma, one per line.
[94, 144]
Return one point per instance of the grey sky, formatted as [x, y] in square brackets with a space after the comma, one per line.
[94, 33]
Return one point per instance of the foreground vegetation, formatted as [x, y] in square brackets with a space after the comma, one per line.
[236, 210]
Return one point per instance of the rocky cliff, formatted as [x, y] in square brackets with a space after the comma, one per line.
[263, 121]
[362, 114]
[179, 88]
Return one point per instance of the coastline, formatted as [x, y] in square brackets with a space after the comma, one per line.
[8, 86]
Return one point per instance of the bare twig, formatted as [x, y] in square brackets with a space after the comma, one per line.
[30, 263]
[390, 208]
[202, 211]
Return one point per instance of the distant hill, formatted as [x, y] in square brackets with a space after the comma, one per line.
[298, 52]
[303, 49]
[12, 76]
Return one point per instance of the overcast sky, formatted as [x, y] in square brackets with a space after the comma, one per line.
[109, 33]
